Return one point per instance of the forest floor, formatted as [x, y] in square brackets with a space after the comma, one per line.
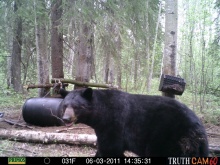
[15, 148]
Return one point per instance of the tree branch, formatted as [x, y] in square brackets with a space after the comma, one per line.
[80, 83]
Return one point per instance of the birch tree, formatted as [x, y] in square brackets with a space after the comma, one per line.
[151, 67]
[170, 44]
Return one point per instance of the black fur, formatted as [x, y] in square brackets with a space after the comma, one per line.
[144, 125]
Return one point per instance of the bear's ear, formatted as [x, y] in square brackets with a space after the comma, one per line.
[63, 92]
[87, 93]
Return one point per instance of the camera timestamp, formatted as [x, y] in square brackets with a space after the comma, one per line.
[103, 160]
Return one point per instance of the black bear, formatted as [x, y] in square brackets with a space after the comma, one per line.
[144, 125]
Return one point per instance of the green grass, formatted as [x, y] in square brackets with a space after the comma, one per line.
[209, 114]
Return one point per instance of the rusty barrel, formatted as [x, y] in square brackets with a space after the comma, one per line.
[43, 111]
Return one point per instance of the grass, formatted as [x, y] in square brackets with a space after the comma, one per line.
[9, 98]
[209, 114]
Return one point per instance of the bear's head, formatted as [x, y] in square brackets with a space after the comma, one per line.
[76, 105]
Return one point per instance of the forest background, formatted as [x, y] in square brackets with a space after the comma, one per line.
[123, 44]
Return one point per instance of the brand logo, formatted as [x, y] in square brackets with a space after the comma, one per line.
[193, 160]
[16, 160]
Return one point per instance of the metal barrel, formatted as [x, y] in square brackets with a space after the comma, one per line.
[43, 111]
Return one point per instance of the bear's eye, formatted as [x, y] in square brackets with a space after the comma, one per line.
[64, 107]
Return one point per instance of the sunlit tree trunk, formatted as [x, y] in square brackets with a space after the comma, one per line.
[151, 67]
[147, 42]
[169, 54]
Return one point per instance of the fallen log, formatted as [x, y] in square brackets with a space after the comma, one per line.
[80, 83]
[48, 138]
[214, 149]
[217, 135]
[61, 138]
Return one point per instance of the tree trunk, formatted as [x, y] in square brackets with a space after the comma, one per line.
[135, 64]
[84, 53]
[150, 75]
[71, 46]
[118, 60]
[56, 39]
[9, 70]
[41, 45]
[107, 64]
[85, 50]
[147, 42]
[169, 54]
[16, 50]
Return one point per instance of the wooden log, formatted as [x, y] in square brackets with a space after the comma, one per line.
[80, 83]
[48, 137]
[217, 135]
[61, 138]
[214, 149]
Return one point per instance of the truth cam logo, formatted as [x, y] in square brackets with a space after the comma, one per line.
[210, 161]
[193, 160]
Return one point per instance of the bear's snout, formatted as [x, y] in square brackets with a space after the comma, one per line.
[69, 115]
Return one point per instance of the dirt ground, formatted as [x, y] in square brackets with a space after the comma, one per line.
[15, 148]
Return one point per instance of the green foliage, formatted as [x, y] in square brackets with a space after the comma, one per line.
[12, 100]
[133, 21]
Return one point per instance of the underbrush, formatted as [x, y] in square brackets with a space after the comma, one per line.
[209, 112]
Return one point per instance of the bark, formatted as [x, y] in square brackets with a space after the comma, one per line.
[147, 42]
[107, 68]
[56, 39]
[169, 54]
[83, 84]
[9, 47]
[71, 47]
[135, 68]
[214, 149]
[9, 70]
[84, 53]
[16, 50]
[41, 45]
[118, 61]
[59, 138]
[150, 75]
[48, 138]
[118, 55]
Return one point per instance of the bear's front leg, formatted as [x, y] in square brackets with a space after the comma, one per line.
[113, 149]
[97, 154]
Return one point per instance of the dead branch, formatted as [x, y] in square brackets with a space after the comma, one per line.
[16, 123]
[80, 83]
[20, 148]
[72, 128]
[46, 137]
